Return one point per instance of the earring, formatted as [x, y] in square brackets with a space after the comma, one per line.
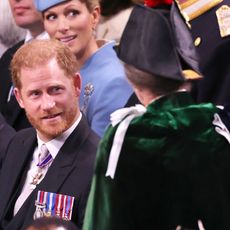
[94, 31]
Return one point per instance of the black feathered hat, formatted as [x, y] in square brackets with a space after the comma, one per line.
[158, 41]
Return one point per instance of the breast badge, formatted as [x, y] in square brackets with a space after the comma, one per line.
[223, 18]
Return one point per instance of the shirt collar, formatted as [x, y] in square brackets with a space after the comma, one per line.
[55, 144]
[44, 35]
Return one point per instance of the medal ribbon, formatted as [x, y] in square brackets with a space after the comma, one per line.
[45, 161]
[52, 204]
[40, 204]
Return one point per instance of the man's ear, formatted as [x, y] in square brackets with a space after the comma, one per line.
[19, 97]
[77, 84]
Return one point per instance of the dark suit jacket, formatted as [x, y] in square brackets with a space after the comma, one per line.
[11, 110]
[69, 174]
[6, 133]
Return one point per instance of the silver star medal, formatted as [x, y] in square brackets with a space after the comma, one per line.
[38, 212]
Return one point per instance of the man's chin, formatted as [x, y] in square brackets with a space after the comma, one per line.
[50, 134]
[51, 130]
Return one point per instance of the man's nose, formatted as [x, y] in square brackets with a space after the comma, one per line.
[47, 102]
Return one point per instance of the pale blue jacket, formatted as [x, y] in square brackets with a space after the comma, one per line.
[104, 87]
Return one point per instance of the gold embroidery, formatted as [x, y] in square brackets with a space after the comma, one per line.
[192, 9]
[223, 18]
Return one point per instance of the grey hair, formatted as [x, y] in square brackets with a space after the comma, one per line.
[10, 33]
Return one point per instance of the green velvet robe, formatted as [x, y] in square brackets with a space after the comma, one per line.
[174, 169]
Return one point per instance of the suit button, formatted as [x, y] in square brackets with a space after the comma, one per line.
[197, 41]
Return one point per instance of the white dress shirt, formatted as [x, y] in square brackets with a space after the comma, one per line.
[44, 35]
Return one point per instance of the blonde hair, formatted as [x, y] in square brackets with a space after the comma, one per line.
[91, 4]
[40, 52]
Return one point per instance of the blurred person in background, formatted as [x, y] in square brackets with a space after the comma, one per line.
[10, 33]
[6, 133]
[104, 85]
[26, 17]
[114, 16]
[213, 45]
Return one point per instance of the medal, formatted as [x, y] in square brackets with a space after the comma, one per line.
[50, 202]
[69, 208]
[38, 212]
[40, 205]
[58, 205]
[36, 178]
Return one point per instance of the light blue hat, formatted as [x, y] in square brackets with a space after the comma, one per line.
[42, 5]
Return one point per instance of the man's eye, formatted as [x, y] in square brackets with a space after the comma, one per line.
[34, 93]
[55, 90]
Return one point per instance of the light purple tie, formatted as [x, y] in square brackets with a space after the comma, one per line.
[44, 157]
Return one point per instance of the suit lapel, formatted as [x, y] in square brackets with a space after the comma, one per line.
[64, 161]
[18, 159]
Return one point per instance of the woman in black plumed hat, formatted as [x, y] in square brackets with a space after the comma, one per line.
[161, 166]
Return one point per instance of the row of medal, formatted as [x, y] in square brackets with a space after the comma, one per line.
[53, 204]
